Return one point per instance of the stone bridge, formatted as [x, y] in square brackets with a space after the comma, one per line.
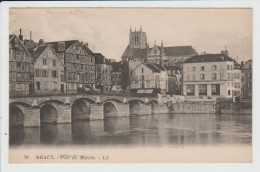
[32, 111]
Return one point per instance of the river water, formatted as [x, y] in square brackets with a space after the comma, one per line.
[177, 130]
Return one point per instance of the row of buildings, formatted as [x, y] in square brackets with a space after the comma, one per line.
[70, 67]
[180, 70]
[62, 67]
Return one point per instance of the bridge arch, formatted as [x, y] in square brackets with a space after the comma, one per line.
[134, 106]
[113, 100]
[153, 104]
[48, 114]
[50, 102]
[110, 109]
[80, 109]
[16, 116]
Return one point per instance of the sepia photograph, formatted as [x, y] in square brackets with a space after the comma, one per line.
[130, 85]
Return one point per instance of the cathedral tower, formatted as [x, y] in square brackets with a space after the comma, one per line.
[137, 39]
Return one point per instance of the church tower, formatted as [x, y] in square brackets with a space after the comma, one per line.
[137, 39]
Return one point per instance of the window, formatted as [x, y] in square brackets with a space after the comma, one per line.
[54, 62]
[214, 67]
[37, 73]
[142, 77]
[157, 85]
[81, 66]
[19, 64]
[77, 57]
[202, 89]
[227, 67]
[44, 73]
[190, 90]
[229, 92]
[54, 74]
[238, 76]
[202, 68]
[213, 76]
[157, 78]
[228, 75]
[44, 61]
[202, 76]
[193, 77]
[38, 85]
[215, 89]
[142, 70]
[193, 68]
[142, 85]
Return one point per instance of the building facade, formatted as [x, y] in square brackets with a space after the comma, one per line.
[79, 71]
[116, 77]
[174, 80]
[103, 73]
[48, 71]
[237, 81]
[208, 75]
[149, 79]
[20, 67]
[246, 72]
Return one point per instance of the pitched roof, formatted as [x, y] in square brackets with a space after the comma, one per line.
[179, 51]
[208, 58]
[68, 44]
[172, 68]
[88, 50]
[169, 51]
[38, 51]
[99, 58]
[155, 67]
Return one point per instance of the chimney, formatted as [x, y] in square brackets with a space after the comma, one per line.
[30, 35]
[242, 64]
[21, 36]
[41, 42]
[204, 53]
[86, 44]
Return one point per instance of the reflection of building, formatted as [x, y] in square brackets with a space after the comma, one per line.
[148, 79]
[48, 71]
[246, 70]
[103, 73]
[208, 75]
[79, 65]
[174, 80]
[20, 67]
[139, 50]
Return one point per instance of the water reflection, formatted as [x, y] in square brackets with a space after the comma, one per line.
[154, 130]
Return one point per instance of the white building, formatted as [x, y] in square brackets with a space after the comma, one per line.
[209, 75]
[149, 78]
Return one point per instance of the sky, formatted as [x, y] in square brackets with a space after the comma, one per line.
[106, 30]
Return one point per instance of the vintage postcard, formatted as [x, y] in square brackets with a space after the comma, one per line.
[130, 85]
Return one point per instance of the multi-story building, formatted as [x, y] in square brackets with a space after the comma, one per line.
[79, 68]
[237, 81]
[174, 80]
[20, 67]
[103, 73]
[138, 49]
[116, 77]
[246, 79]
[48, 71]
[208, 75]
[149, 79]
